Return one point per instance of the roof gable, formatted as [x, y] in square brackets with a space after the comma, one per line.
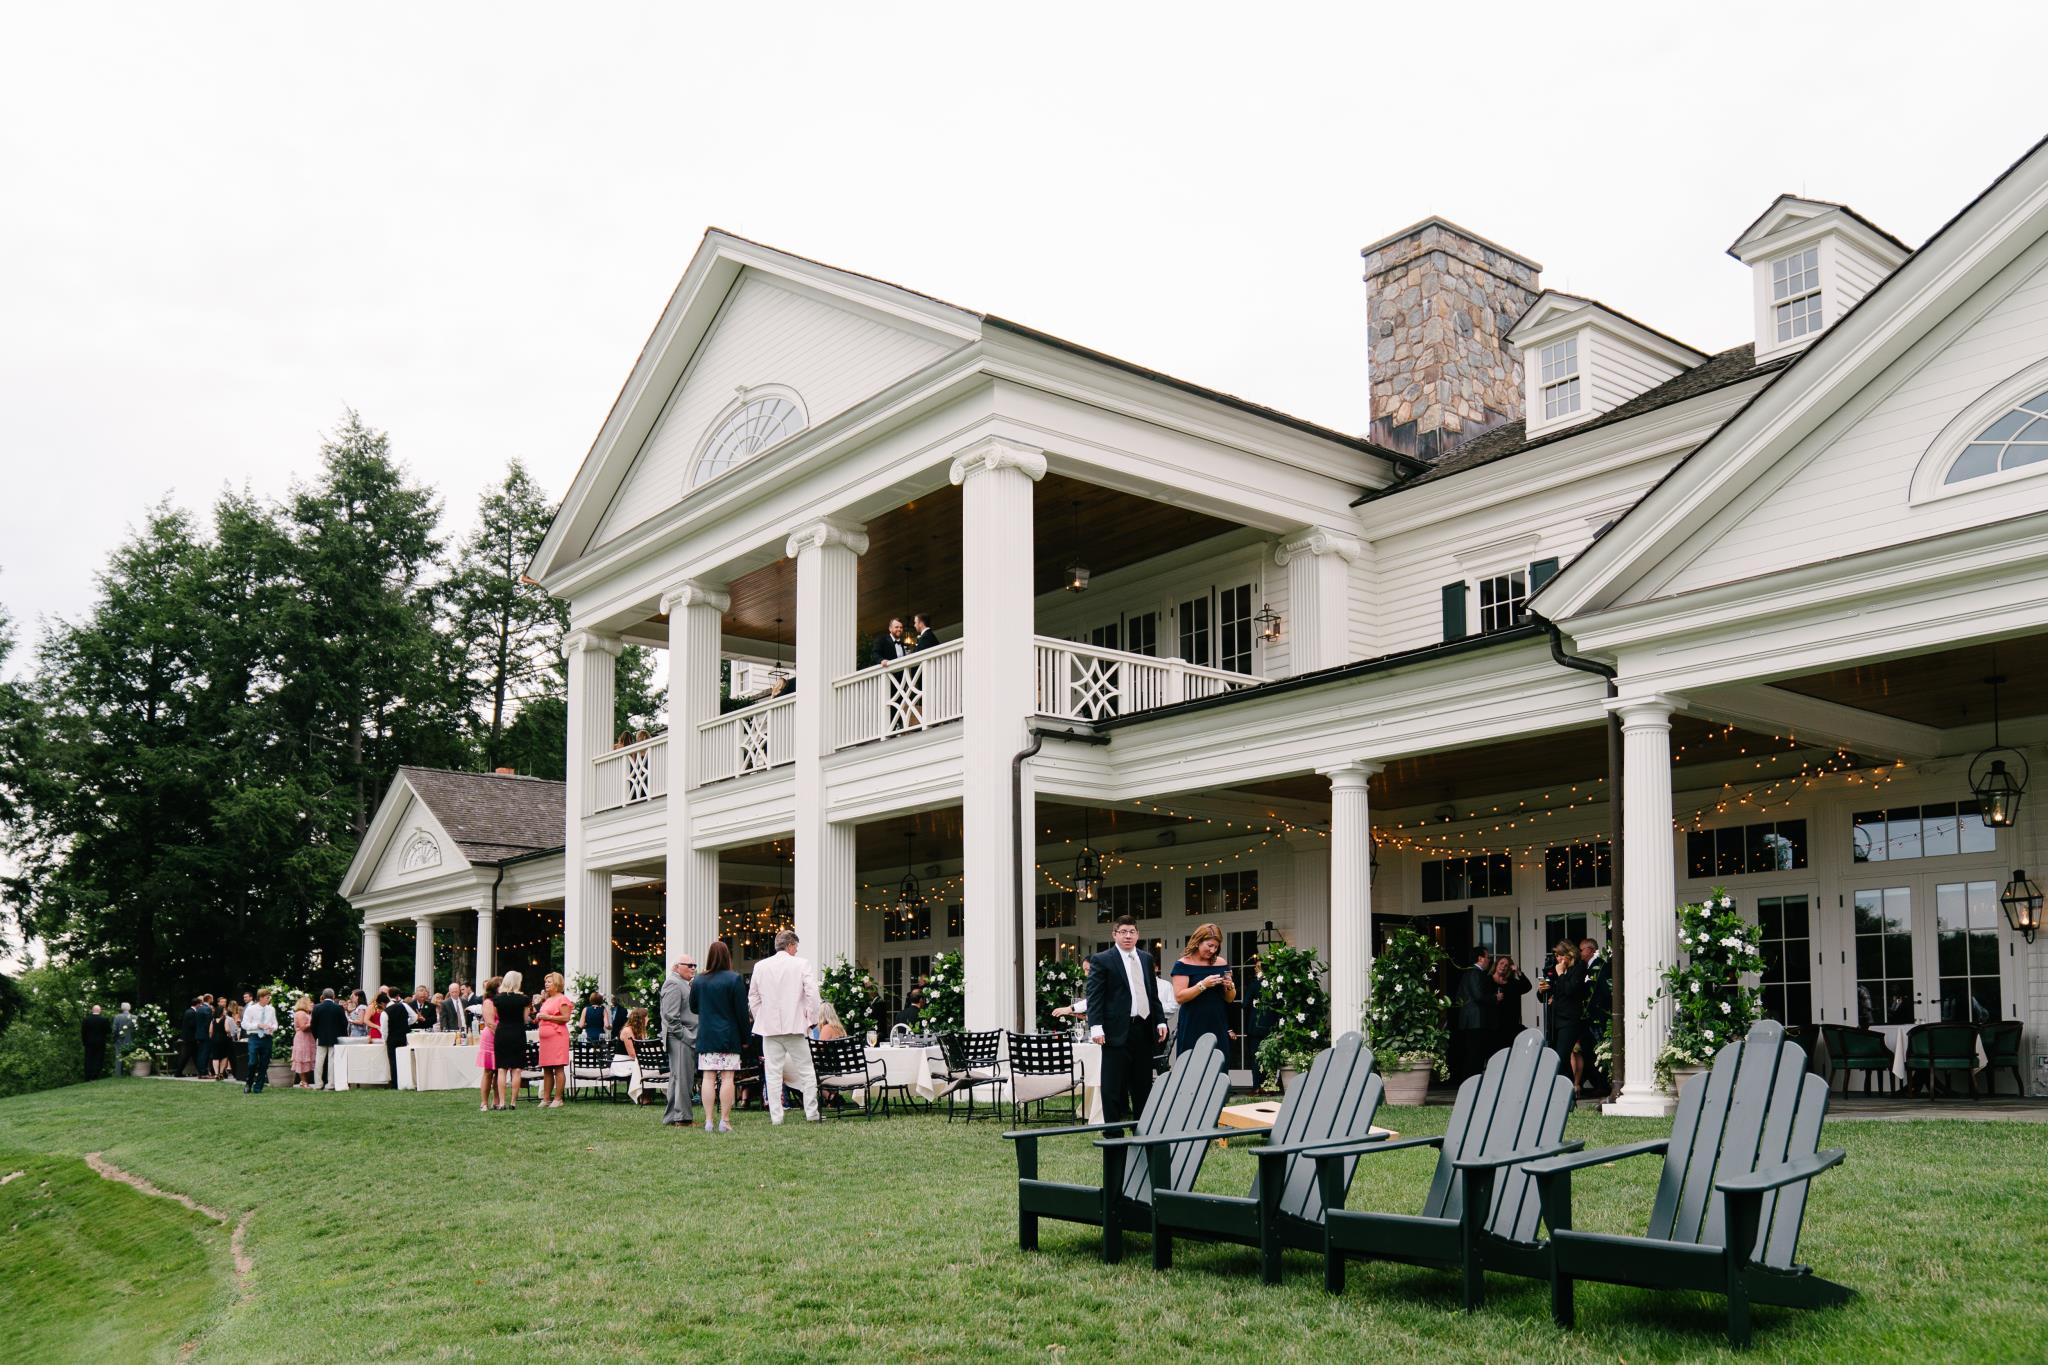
[433, 822]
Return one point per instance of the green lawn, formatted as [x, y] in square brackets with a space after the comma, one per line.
[402, 1226]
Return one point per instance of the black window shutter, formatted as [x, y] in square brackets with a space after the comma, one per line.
[1454, 611]
[1541, 572]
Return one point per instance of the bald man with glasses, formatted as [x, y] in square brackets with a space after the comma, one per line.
[679, 1027]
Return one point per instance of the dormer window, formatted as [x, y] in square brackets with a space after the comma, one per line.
[1560, 380]
[1795, 294]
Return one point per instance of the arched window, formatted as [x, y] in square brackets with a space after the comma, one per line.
[760, 417]
[2019, 437]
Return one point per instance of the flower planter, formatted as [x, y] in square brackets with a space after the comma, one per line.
[280, 1073]
[1681, 1074]
[140, 1067]
[1406, 1084]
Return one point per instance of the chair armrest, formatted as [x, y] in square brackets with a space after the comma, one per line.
[1492, 1163]
[1784, 1173]
[1065, 1132]
[1598, 1157]
[1170, 1139]
[1376, 1145]
[1327, 1145]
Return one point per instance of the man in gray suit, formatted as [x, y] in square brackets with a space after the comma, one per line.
[679, 1026]
[124, 1039]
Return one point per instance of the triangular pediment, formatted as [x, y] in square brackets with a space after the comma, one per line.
[798, 340]
[405, 845]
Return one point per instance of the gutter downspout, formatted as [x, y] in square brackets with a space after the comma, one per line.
[1616, 1030]
[1038, 738]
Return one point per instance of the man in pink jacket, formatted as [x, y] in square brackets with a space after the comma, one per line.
[783, 995]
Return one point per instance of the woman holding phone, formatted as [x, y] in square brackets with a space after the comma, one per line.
[1203, 984]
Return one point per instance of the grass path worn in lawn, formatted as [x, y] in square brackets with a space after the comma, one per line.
[591, 1233]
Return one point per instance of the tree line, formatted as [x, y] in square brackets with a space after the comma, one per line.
[186, 770]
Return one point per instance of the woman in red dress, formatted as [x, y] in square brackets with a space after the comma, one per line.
[553, 1016]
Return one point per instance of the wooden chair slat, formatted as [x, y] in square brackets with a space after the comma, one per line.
[1778, 1231]
[1518, 1209]
[1351, 1087]
[1786, 1065]
[1188, 1097]
[1436, 1201]
[1749, 1104]
[1695, 1141]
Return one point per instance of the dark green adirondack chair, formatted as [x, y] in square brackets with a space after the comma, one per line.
[1741, 1153]
[1859, 1049]
[1333, 1103]
[2002, 1053]
[1481, 1210]
[1950, 1049]
[1187, 1098]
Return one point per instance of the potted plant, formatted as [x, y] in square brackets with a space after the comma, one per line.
[156, 1042]
[1404, 1016]
[850, 989]
[945, 996]
[1060, 982]
[1710, 1007]
[1291, 1001]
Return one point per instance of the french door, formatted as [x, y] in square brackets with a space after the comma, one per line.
[1929, 948]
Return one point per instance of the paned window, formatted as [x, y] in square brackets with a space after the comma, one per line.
[1795, 293]
[1056, 910]
[1139, 900]
[1496, 933]
[1468, 879]
[747, 431]
[1560, 383]
[906, 926]
[1105, 637]
[1775, 846]
[1884, 955]
[1194, 630]
[1562, 929]
[2016, 439]
[1220, 893]
[956, 920]
[1966, 952]
[892, 982]
[1788, 959]
[1234, 628]
[1141, 634]
[1501, 600]
[1935, 831]
[1578, 867]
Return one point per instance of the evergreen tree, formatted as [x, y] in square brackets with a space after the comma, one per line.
[508, 629]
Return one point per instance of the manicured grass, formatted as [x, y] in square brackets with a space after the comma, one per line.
[402, 1226]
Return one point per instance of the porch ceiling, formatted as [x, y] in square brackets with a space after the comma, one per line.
[878, 845]
[914, 554]
[1944, 690]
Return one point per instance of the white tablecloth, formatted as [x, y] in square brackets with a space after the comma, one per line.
[436, 1062]
[916, 1068]
[1895, 1034]
[359, 1062]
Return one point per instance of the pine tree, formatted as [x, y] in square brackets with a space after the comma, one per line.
[507, 628]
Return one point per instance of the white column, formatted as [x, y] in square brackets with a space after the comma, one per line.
[486, 946]
[694, 611]
[1318, 564]
[1311, 892]
[1350, 895]
[373, 960]
[423, 952]
[1649, 898]
[995, 477]
[827, 555]
[587, 895]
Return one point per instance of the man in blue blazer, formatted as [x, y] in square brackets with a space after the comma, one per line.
[1126, 1017]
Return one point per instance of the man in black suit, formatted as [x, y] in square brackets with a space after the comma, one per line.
[93, 1033]
[188, 1042]
[921, 625]
[1475, 1017]
[890, 644]
[397, 1024]
[1599, 1010]
[330, 1026]
[1126, 1017]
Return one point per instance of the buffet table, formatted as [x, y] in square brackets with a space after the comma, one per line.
[433, 1062]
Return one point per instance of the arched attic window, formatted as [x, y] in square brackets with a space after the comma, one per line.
[762, 416]
[2018, 438]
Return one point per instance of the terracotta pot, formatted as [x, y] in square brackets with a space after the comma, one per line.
[1406, 1084]
[140, 1067]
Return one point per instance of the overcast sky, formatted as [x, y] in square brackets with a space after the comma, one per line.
[220, 224]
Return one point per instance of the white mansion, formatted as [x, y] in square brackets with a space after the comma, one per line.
[1297, 681]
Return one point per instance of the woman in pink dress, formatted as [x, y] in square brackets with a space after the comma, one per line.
[487, 1047]
[553, 1016]
[304, 1057]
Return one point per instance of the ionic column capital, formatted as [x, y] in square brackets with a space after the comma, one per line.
[827, 531]
[589, 641]
[1649, 712]
[995, 452]
[1317, 541]
[1351, 774]
[691, 593]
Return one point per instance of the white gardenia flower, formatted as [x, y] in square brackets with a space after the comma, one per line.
[1695, 988]
[1301, 1018]
[1727, 903]
[1724, 1007]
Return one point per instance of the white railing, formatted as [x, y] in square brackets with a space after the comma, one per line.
[761, 737]
[899, 697]
[629, 776]
[1083, 682]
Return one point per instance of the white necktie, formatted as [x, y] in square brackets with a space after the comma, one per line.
[1140, 1007]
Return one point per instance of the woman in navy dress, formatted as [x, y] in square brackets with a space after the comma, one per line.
[1203, 985]
[593, 1018]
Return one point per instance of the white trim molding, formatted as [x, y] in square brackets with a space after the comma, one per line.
[691, 593]
[1928, 476]
[1318, 541]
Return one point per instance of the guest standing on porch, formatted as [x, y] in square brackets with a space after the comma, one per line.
[679, 1028]
[1204, 987]
[1126, 1018]
[783, 995]
[719, 1000]
[552, 1014]
[1475, 1000]
[1563, 988]
[509, 1041]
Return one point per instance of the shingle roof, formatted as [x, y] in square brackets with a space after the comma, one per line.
[493, 816]
[1729, 367]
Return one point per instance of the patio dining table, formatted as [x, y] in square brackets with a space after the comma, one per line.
[1895, 1037]
[922, 1071]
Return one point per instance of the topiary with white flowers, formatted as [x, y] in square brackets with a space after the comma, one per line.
[945, 995]
[1404, 1020]
[1292, 1006]
[1710, 1005]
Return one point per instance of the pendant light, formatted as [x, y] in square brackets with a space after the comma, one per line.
[1077, 571]
[1997, 787]
[1268, 622]
[1087, 867]
[2021, 901]
[778, 909]
[909, 896]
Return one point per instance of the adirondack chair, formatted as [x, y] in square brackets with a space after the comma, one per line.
[1333, 1103]
[1741, 1153]
[1187, 1097]
[1481, 1210]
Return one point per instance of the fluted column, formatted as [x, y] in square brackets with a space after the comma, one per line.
[1649, 897]
[486, 946]
[827, 554]
[1350, 895]
[587, 894]
[373, 960]
[995, 477]
[1318, 628]
[694, 612]
[423, 952]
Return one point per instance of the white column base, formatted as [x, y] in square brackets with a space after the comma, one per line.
[1655, 1105]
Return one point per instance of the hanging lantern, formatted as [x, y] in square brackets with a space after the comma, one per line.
[1997, 786]
[1268, 622]
[1087, 868]
[908, 894]
[2021, 900]
[1077, 572]
[778, 909]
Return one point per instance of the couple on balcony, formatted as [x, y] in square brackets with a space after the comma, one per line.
[898, 643]
[906, 686]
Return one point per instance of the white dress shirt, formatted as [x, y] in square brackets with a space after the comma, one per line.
[259, 1018]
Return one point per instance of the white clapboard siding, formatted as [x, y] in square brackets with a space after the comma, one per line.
[1855, 275]
[1851, 495]
[1620, 371]
[765, 334]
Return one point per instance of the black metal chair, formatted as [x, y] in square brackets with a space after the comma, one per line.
[842, 1068]
[530, 1074]
[1043, 1068]
[973, 1061]
[1941, 1048]
[590, 1070]
[1858, 1049]
[651, 1056]
[2002, 1053]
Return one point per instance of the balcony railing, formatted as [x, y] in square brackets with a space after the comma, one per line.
[761, 737]
[1083, 682]
[629, 776]
[899, 697]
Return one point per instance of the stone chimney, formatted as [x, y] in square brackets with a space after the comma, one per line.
[1440, 303]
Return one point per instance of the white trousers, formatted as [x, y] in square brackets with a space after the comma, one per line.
[788, 1054]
